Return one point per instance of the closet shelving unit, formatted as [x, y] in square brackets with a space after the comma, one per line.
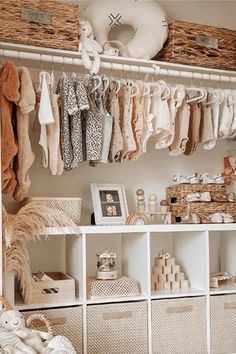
[199, 249]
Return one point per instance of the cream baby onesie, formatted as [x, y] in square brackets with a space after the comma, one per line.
[178, 145]
[233, 126]
[207, 137]
[25, 156]
[226, 115]
[215, 111]
[148, 126]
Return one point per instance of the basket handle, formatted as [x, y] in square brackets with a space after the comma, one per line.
[40, 318]
[179, 309]
[117, 315]
[230, 305]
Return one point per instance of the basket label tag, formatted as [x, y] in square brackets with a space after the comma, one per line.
[117, 315]
[208, 42]
[36, 16]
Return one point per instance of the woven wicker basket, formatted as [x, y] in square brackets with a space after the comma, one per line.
[124, 286]
[66, 322]
[70, 206]
[201, 45]
[202, 209]
[118, 328]
[223, 323]
[44, 23]
[178, 193]
[179, 326]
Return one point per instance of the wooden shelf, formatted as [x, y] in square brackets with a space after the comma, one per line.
[228, 289]
[165, 294]
[117, 299]
[20, 305]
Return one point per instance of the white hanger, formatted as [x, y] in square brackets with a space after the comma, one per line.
[99, 83]
[44, 75]
[146, 89]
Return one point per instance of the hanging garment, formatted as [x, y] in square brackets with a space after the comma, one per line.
[181, 130]
[233, 126]
[9, 93]
[215, 111]
[207, 137]
[148, 126]
[45, 114]
[137, 121]
[112, 105]
[107, 123]
[25, 157]
[226, 115]
[126, 109]
[194, 128]
[92, 127]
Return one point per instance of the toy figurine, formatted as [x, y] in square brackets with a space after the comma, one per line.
[140, 200]
[152, 203]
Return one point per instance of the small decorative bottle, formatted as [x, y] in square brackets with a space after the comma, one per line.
[152, 203]
[140, 200]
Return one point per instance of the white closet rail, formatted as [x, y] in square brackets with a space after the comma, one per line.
[117, 63]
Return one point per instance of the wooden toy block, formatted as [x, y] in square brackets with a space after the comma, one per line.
[154, 285]
[159, 286]
[157, 270]
[175, 269]
[170, 277]
[175, 285]
[167, 270]
[170, 261]
[180, 276]
[184, 284]
[166, 286]
[162, 278]
[159, 262]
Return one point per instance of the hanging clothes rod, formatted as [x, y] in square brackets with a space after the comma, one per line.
[148, 68]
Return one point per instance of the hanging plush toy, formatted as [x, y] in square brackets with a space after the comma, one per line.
[147, 19]
[89, 47]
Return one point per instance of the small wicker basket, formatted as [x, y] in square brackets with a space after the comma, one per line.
[70, 206]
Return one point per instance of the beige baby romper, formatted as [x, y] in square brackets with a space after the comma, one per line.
[194, 129]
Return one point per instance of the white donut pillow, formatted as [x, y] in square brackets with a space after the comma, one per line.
[146, 17]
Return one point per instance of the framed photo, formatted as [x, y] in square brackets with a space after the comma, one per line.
[109, 204]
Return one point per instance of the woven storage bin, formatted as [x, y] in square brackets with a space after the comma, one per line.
[66, 322]
[123, 286]
[43, 23]
[201, 45]
[179, 326]
[178, 192]
[203, 209]
[223, 324]
[117, 328]
[70, 206]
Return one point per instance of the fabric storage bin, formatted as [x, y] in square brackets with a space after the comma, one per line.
[223, 324]
[70, 206]
[45, 23]
[179, 326]
[65, 321]
[201, 45]
[117, 328]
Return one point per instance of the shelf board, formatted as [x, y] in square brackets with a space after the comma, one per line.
[51, 231]
[228, 289]
[20, 305]
[166, 294]
[117, 299]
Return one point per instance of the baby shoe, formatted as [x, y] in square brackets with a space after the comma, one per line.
[205, 197]
[206, 178]
[195, 218]
[193, 179]
[227, 218]
[193, 197]
[218, 179]
[231, 197]
[216, 218]
[179, 178]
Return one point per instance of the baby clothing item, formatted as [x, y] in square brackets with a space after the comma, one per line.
[194, 128]
[215, 111]
[126, 107]
[148, 126]
[112, 103]
[207, 137]
[226, 115]
[9, 93]
[25, 157]
[178, 145]
[233, 126]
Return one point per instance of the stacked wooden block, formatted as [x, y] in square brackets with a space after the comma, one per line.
[166, 275]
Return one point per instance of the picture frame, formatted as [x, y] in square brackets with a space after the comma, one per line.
[109, 204]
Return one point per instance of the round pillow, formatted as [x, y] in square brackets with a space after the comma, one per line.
[146, 17]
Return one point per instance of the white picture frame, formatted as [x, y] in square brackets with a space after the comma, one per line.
[109, 204]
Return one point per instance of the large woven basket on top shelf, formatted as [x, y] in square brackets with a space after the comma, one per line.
[44, 23]
[201, 45]
[70, 206]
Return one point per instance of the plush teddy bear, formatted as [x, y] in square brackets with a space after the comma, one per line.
[13, 324]
[89, 47]
[12, 344]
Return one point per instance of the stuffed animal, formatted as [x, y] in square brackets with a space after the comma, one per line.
[88, 46]
[60, 344]
[147, 19]
[13, 324]
[12, 344]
